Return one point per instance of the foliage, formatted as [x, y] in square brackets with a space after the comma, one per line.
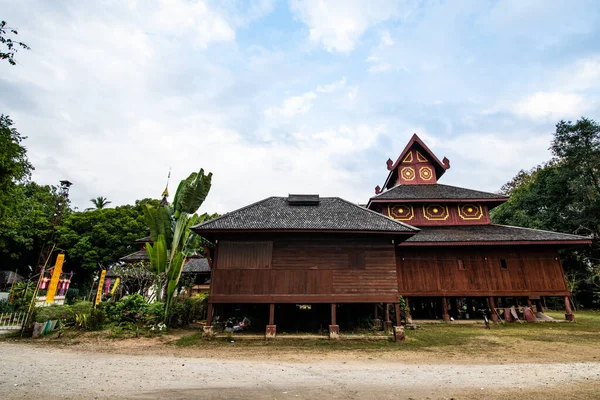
[14, 164]
[563, 195]
[184, 312]
[137, 278]
[11, 45]
[52, 312]
[5, 307]
[21, 295]
[101, 237]
[170, 228]
[99, 203]
[26, 225]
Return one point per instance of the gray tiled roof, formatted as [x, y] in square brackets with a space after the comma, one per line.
[489, 233]
[434, 191]
[332, 213]
[195, 265]
[140, 255]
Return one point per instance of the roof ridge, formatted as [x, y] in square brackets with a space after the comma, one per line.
[380, 215]
[230, 212]
[543, 230]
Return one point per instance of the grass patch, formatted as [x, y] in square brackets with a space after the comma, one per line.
[435, 337]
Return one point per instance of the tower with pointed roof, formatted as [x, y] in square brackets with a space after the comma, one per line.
[459, 254]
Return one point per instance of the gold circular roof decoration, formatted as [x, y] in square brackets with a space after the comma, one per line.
[436, 212]
[470, 212]
[425, 173]
[401, 212]
[408, 173]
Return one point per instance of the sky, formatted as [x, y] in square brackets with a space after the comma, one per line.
[278, 97]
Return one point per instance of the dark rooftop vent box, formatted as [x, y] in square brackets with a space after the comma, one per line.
[303, 199]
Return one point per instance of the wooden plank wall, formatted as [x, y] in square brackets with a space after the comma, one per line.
[435, 272]
[306, 270]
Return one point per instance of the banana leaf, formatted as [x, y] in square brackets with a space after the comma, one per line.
[158, 254]
[159, 222]
[192, 192]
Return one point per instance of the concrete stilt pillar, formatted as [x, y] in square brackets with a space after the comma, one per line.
[334, 329]
[271, 330]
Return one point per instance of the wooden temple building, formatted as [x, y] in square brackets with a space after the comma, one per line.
[319, 259]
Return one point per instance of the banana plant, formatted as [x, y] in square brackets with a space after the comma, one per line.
[170, 230]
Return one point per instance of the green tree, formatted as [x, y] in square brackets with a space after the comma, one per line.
[26, 225]
[563, 195]
[14, 164]
[99, 203]
[101, 237]
[170, 229]
[11, 45]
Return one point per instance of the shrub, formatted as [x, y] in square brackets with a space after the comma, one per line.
[96, 320]
[49, 313]
[184, 312]
[72, 295]
[5, 307]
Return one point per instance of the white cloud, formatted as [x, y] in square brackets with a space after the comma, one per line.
[554, 105]
[292, 106]
[301, 104]
[332, 87]
[179, 17]
[339, 24]
[386, 39]
[583, 74]
[377, 64]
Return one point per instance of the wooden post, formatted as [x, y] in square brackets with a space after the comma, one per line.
[272, 314]
[493, 310]
[538, 306]
[376, 311]
[408, 316]
[397, 309]
[333, 314]
[445, 314]
[207, 330]
[209, 314]
[387, 325]
[568, 311]
[334, 329]
[271, 330]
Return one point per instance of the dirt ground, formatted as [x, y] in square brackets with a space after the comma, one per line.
[150, 368]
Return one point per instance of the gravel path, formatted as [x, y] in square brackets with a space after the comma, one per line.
[32, 372]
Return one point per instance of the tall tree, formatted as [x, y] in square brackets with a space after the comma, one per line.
[99, 202]
[11, 45]
[26, 225]
[170, 229]
[100, 238]
[14, 164]
[562, 195]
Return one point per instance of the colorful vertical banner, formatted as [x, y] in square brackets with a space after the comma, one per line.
[100, 286]
[60, 259]
[115, 286]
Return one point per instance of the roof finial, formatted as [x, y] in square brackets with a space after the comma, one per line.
[165, 192]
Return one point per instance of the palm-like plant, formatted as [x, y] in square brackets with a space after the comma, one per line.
[170, 229]
[100, 202]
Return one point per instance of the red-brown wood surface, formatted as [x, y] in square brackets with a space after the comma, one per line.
[306, 270]
[435, 272]
[422, 214]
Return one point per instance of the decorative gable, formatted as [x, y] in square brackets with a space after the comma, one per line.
[415, 165]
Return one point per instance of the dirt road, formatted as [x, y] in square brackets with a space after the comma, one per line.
[28, 371]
